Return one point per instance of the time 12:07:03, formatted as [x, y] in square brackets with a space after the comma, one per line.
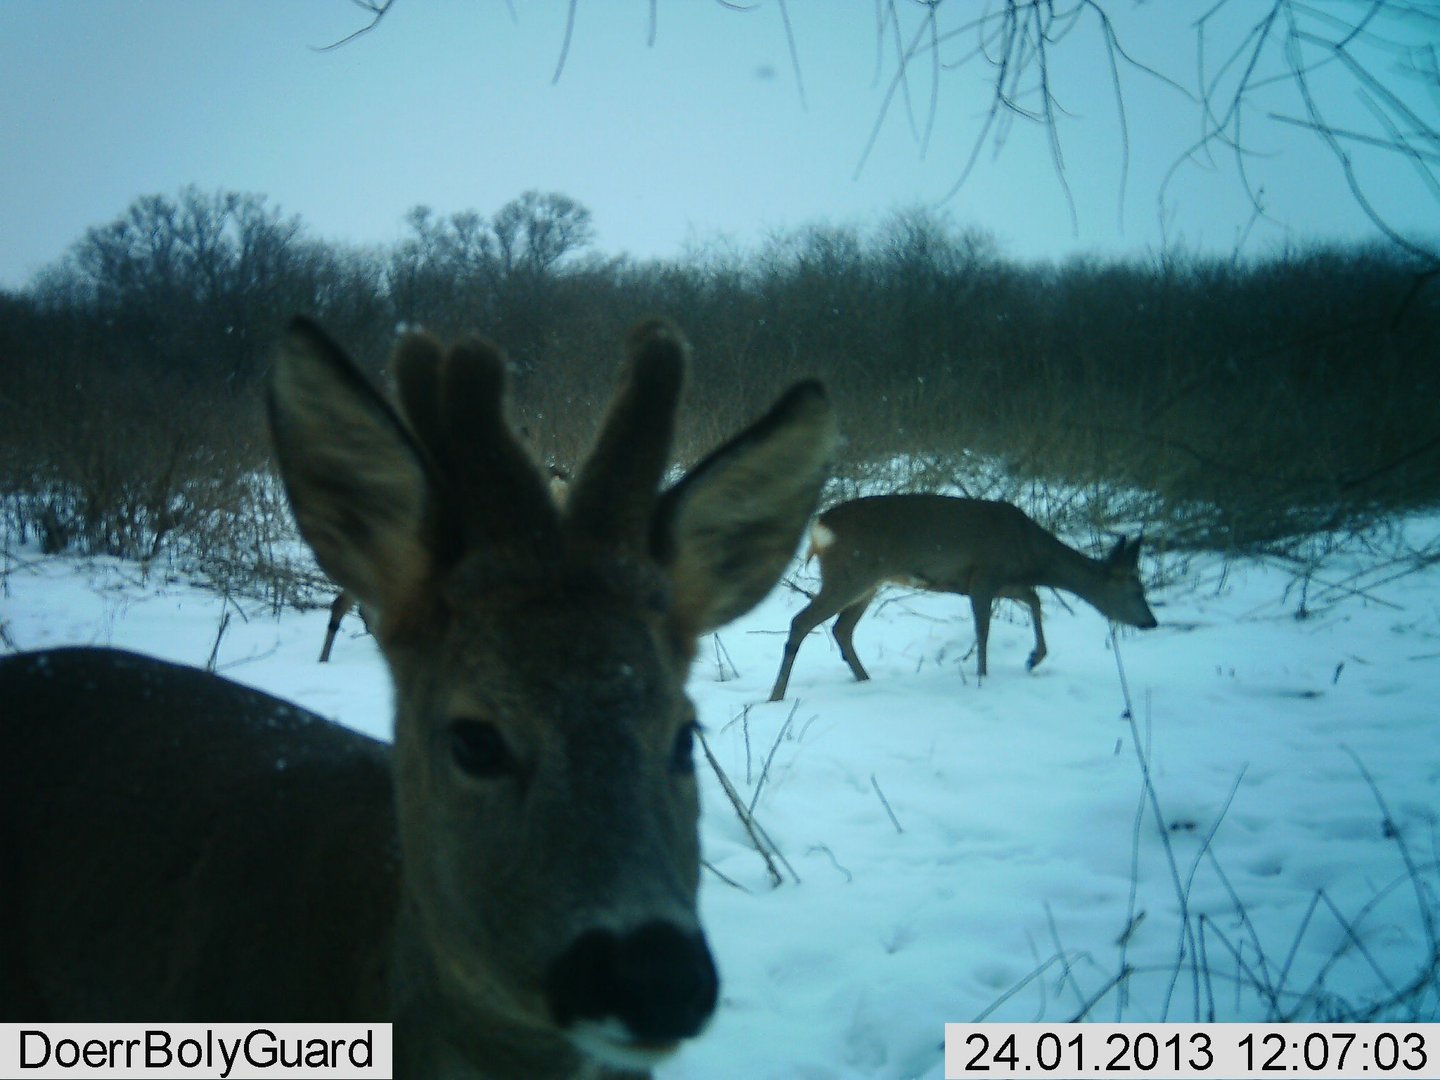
[1239, 1051]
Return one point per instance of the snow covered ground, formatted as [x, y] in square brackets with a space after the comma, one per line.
[1019, 837]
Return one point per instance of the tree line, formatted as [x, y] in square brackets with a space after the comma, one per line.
[1220, 401]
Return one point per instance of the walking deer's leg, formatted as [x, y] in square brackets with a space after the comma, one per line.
[343, 603]
[810, 616]
[845, 627]
[1032, 600]
[805, 621]
[980, 602]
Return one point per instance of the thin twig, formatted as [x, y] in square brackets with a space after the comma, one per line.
[378, 10]
[745, 819]
[765, 769]
[1152, 797]
[219, 634]
[722, 657]
[708, 865]
[885, 803]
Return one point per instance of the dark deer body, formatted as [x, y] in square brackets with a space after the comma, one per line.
[974, 547]
[513, 882]
[122, 871]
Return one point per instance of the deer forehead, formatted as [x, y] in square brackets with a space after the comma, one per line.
[557, 667]
[560, 574]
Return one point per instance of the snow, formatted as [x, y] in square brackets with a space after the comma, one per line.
[1019, 836]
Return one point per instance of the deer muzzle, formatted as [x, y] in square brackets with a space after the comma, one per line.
[630, 998]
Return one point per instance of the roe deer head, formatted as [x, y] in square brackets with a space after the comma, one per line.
[974, 547]
[513, 883]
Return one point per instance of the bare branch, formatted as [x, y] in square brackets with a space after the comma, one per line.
[1325, 56]
[1361, 137]
[794, 54]
[565, 44]
[378, 9]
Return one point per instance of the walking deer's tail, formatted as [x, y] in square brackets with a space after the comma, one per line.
[821, 537]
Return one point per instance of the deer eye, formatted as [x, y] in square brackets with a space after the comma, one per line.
[479, 749]
[682, 753]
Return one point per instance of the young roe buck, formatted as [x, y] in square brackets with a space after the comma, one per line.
[513, 884]
[974, 547]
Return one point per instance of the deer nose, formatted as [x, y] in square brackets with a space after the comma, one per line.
[658, 981]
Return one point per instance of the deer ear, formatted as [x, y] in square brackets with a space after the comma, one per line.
[356, 479]
[726, 531]
[1125, 555]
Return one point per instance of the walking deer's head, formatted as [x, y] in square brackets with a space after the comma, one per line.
[545, 787]
[1123, 593]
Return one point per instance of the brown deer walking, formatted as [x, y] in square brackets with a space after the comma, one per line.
[512, 884]
[977, 548]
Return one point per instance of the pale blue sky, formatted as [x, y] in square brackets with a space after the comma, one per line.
[450, 103]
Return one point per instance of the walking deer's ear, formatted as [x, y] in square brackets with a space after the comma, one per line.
[726, 531]
[1125, 555]
[357, 481]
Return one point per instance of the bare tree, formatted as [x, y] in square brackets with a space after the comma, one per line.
[201, 276]
[537, 230]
